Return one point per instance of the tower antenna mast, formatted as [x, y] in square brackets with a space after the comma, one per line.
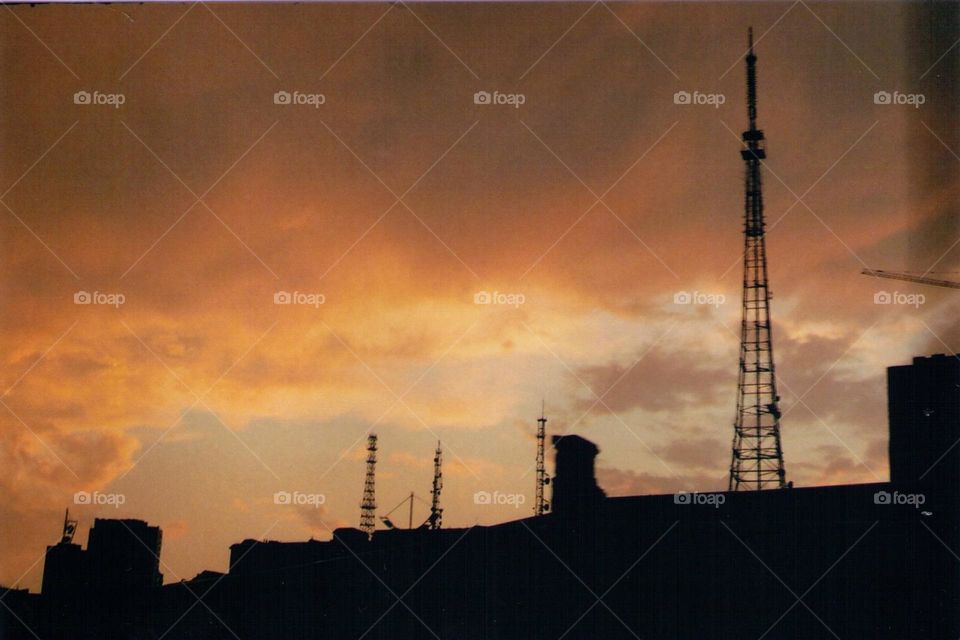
[757, 460]
[436, 513]
[368, 507]
[540, 504]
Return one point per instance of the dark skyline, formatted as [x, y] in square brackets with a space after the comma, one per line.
[198, 398]
[873, 560]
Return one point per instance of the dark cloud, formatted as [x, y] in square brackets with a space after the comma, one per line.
[836, 464]
[620, 482]
[820, 377]
[659, 381]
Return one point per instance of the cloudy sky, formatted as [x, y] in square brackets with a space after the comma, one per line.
[148, 160]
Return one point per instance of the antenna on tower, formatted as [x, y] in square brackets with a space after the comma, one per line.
[757, 460]
[368, 507]
[541, 506]
[69, 528]
[436, 513]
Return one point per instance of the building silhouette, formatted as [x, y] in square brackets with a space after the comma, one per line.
[852, 561]
[124, 554]
[107, 590]
[924, 409]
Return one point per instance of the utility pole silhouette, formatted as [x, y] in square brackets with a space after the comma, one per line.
[757, 460]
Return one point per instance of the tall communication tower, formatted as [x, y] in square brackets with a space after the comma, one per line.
[757, 461]
[540, 505]
[368, 507]
[436, 513]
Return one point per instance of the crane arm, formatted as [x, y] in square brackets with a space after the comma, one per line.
[893, 275]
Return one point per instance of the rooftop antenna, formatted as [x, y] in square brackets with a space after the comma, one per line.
[436, 512]
[69, 528]
[368, 507]
[389, 524]
[541, 506]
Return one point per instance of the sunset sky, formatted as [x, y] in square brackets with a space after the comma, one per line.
[398, 199]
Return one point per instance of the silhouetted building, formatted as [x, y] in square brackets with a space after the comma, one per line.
[124, 554]
[64, 587]
[869, 561]
[19, 613]
[64, 569]
[924, 409]
[574, 482]
[106, 591]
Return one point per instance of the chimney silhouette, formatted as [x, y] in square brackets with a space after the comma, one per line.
[574, 484]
